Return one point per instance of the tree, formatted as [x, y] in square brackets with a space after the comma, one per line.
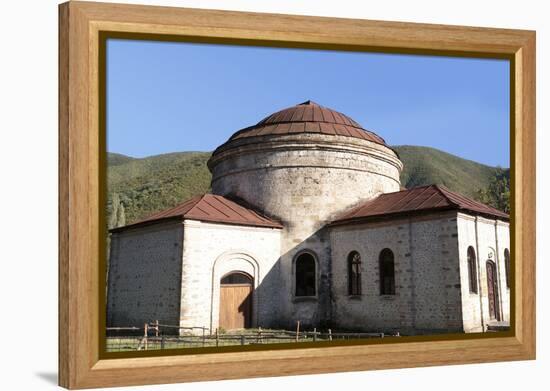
[497, 193]
[117, 216]
[121, 218]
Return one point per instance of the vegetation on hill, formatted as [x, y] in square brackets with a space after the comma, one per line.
[424, 165]
[115, 159]
[140, 187]
[144, 186]
[497, 194]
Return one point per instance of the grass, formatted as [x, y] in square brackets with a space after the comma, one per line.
[231, 338]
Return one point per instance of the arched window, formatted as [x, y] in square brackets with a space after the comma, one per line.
[236, 278]
[472, 270]
[507, 266]
[305, 275]
[354, 274]
[387, 272]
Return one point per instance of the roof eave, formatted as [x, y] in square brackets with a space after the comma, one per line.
[387, 216]
[182, 219]
[141, 224]
[491, 216]
[237, 223]
[412, 213]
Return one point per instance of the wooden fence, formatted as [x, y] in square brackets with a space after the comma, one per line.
[154, 336]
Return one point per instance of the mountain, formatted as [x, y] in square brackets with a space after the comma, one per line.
[425, 165]
[150, 184]
[142, 186]
[116, 159]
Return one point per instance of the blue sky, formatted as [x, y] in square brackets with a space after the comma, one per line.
[168, 97]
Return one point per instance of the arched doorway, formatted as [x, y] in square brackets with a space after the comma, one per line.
[492, 286]
[236, 289]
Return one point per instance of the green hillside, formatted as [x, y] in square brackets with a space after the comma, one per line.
[116, 159]
[150, 184]
[424, 166]
[143, 186]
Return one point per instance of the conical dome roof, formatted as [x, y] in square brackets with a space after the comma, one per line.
[308, 117]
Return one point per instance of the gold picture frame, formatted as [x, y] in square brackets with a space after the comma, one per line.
[83, 28]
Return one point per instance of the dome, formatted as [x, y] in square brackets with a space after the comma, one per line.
[308, 117]
[303, 166]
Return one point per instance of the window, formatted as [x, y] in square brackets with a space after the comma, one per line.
[236, 278]
[305, 275]
[507, 266]
[354, 274]
[387, 272]
[472, 270]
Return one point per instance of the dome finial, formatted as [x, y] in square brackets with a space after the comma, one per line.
[308, 103]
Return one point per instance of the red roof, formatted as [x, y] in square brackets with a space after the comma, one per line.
[209, 208]
[425, 198]
[308, 117]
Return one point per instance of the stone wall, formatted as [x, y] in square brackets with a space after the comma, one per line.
[427, 280]
[489, 238]
[212, 250]
[144, 275]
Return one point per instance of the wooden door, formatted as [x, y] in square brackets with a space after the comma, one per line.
[235, 301]
[492, 287]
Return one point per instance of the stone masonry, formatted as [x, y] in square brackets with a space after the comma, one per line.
[144, 275]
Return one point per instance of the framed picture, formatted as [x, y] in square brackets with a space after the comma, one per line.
[300, 194]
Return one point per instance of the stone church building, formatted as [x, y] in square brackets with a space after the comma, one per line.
[307, 221]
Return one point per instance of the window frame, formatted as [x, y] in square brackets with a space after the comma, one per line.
[473, 283]
[295, 275]
[354, 274]
[382, 275]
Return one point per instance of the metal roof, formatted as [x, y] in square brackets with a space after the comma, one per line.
[425, 198]
[209, 208]
[308, 117]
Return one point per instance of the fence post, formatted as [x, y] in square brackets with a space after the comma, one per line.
[297, 330]
[260, 335]
[145, 333]
[203, 337]
[242, 339]
[314, 334]
[156, 328]
[329, 334]
[162, 342]
[217, 338]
